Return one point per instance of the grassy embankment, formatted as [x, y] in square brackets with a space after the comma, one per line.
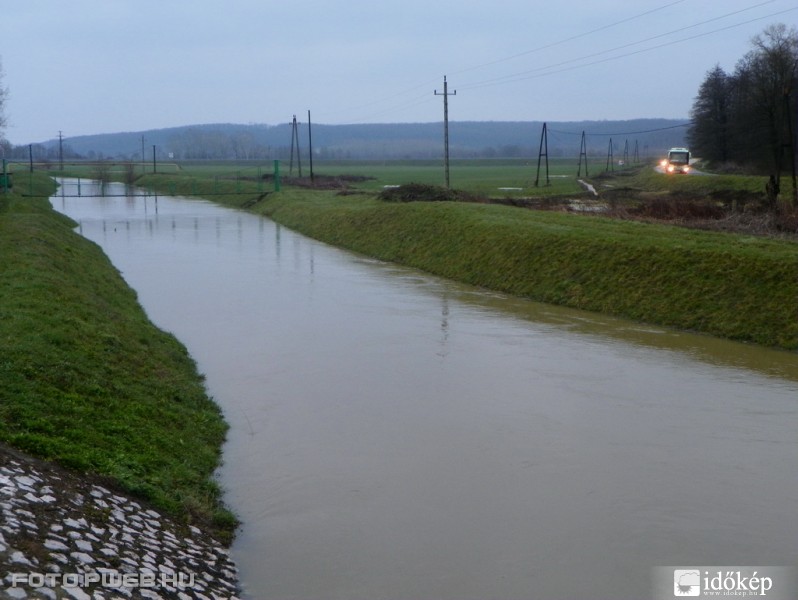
[87, 381]
[734, 286]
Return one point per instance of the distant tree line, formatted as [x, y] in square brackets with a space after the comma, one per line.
[747, 117]
[40, 153]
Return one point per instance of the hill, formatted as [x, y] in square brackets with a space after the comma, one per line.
[482, 139]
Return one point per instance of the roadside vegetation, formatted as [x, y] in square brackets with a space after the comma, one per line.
[87, 381]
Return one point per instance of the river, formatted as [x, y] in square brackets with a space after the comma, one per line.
[398, 436]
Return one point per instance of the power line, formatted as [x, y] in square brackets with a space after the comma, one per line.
[523, 75]
[446, 93]
[570, 39]
[417, 100]
[554, 68]
[500, 60]
[623, 132]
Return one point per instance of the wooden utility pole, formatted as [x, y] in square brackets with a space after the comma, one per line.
[295, 141]
[446, 95]
[61, 150]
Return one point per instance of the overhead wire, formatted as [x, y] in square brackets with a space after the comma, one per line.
[569, 39]
[504, 59]
[553, 69]
[524, 75]
[623, 132]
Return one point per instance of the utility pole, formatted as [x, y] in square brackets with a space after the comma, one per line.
[610, 158]
[295, 139]
[310, 148]
[582, 152]
[61, 150]
[446, 95]
[544, 151]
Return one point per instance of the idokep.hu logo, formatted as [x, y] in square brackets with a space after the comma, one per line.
[773, 583]
[686, 582]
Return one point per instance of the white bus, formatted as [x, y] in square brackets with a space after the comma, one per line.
[678, 161]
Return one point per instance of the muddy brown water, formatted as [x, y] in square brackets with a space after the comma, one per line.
[398, 436]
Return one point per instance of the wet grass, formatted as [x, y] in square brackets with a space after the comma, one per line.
[87, 381]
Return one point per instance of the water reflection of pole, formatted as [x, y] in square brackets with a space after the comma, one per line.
[444, 326]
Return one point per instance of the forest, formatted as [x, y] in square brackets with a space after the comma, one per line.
[744, 121]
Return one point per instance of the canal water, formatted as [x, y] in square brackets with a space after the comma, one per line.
[397, 436]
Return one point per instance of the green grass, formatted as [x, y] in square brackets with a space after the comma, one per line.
[484, 177]
[87, 381]
[733, 286]
[728, 285]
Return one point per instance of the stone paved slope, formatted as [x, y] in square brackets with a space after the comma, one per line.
[65, 536]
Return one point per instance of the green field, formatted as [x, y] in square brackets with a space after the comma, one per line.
[485, 177]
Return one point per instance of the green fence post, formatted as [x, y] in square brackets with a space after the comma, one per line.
[5, 176]
[276, 175]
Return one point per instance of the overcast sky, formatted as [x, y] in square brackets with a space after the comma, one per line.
[104, 66]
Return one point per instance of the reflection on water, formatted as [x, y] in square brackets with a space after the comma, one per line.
[397, 436]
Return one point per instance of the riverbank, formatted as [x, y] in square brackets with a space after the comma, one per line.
[88, 382]
[735, 286]
[68, 535]
[732, 286]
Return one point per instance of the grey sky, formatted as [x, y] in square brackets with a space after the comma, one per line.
[101, 66]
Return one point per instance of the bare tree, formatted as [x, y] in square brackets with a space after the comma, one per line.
[770, 69]
[746, 117]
